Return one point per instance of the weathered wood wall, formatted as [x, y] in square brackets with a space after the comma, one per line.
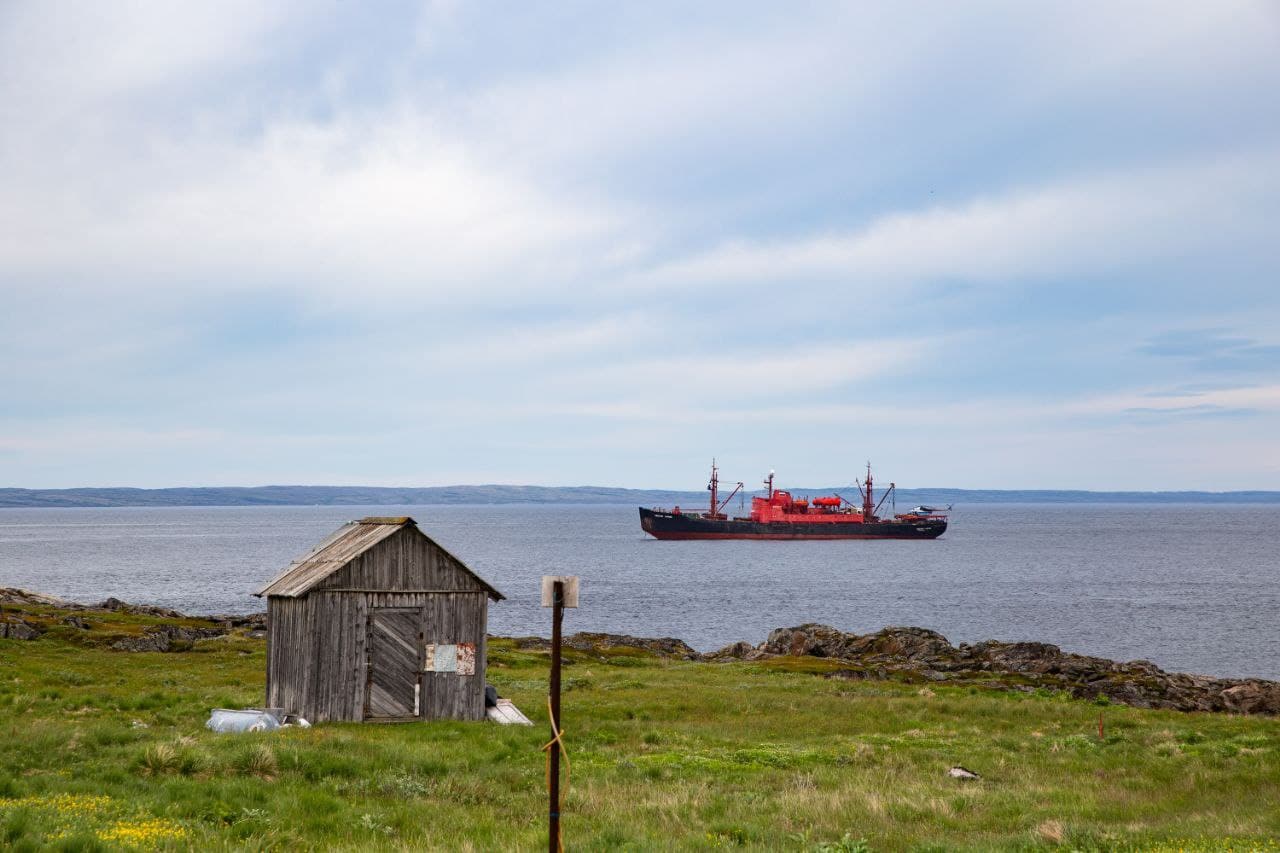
[404, 562]
[317, 645]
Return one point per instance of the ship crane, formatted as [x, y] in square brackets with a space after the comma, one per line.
[717, 506]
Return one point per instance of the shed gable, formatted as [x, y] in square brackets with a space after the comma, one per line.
[407, 561]
[377, 555]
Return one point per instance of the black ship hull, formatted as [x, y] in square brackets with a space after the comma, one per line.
[667, 525]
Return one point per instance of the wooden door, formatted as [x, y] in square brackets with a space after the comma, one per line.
[394, 663]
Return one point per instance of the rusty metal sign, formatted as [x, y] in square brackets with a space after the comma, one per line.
[466, 658]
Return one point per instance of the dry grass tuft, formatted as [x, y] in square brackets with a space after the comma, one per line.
[1051, 831]
[158, 759]
[261, 761]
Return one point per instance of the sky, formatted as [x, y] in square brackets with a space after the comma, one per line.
[983, 245]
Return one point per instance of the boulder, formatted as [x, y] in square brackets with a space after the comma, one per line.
[247, 621]
[116, 604]
[740, 650]
[828, 642]
[587, 641]
[17, 629]
[667, 647]
[152, 642]
[166, 638]
[1252, 696]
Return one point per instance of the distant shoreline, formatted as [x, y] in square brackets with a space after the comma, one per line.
[235, 496]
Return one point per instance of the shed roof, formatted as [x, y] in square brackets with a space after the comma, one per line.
[340, 548]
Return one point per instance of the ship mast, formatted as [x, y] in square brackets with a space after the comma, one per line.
[868, 503]
[714, 486]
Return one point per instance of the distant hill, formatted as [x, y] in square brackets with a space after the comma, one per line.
[497, 494]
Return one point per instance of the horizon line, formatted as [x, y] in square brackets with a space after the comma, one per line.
[1146, 491]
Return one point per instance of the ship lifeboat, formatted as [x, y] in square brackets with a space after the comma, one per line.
[826, 502]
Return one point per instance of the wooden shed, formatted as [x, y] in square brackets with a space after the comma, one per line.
[378, 622]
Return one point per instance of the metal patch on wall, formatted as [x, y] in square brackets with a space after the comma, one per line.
[466, 658]
[446, 658]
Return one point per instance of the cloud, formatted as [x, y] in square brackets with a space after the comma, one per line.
[1094, 225]
[703, 378]
[343, 209]
[1215, 350]
[59, 57]
[1203, 410]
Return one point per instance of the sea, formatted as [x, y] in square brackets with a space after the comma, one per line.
[1192, 587]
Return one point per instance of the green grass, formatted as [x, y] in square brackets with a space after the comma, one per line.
[102, 750]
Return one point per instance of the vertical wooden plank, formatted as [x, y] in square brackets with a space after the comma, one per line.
[481, 653]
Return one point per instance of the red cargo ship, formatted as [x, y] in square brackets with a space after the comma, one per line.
[780, 515]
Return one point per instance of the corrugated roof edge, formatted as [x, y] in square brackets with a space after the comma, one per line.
[390, 521]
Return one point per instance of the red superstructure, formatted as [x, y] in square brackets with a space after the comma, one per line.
[779, 505]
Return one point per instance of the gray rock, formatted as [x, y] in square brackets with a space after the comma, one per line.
[13, 595]
[247, 621]
[740, 650]
[157, 642]
[115, 604]
[167, 638]
[1252, 696]
[587, 641]
[17, 629]
[826, 641]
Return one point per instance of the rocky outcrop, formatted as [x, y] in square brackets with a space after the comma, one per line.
[244, 621]
[1252, 696]
[667, 647]
[918, 654]
[115, 604]
[248, 621]
[158, 638]
[825, 641]
[739, 651]
[166, 638]
[17, 629]
[12, 595]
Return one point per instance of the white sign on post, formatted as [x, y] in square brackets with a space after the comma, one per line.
[570, 590]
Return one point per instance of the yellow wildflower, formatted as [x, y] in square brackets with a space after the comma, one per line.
[143, 833]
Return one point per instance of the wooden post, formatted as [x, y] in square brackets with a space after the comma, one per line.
[557, 616]
[558, 592]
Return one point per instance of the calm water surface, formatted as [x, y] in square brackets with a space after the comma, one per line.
[1192, 587]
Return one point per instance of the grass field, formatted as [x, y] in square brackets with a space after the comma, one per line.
[104, 750]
